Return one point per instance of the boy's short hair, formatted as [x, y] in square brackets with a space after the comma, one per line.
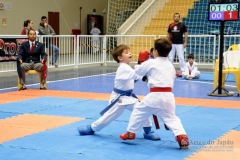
[163, 46]
[151, 50]
[43, 17]
[190, 56]
[118, 51]
[176, 14]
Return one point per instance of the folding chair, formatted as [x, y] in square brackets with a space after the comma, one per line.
[44, 70]
[233, 47]
[231, 66]
[31, 72]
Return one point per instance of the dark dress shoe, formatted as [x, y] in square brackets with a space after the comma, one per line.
[22, 88]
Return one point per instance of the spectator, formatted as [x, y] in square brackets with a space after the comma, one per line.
[191, 70]
[46, 29]
[175, 35]
[31, 57]
[28, 24]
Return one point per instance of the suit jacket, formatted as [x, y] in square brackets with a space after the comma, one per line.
[26, 56]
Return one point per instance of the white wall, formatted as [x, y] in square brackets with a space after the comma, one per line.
[16, 11]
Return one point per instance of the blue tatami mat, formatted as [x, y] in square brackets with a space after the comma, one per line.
[199, 88]
[88, 109]
[201, 124]
[182, 88]
[210, 77]
[38, 104]
[4, 115]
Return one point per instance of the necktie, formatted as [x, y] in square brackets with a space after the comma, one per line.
[32, 48]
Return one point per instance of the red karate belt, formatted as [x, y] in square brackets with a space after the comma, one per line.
[159, 89]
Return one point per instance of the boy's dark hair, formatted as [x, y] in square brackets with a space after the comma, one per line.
[163, 46]
[43, 17]
[151, 49]
[190, 56]
[118, 51]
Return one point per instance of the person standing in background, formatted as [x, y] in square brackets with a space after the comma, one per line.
[95, 39]
[28, 24]
[92, 22]
[176, 30]
[46, 29]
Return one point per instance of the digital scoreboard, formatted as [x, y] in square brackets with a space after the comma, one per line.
[223, 11]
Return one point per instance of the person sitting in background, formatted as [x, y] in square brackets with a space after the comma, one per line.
[31, 57]
[46, 29]
[191, 70]
[28, 24]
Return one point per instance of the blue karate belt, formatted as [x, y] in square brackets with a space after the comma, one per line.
[122, 93]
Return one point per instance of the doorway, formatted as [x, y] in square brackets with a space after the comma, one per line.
[94, 19]
[53, 20]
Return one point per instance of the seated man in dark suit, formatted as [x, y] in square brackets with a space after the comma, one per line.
[29, 57]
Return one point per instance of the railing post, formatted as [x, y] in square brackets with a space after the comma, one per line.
[104, 50]
[76, 50]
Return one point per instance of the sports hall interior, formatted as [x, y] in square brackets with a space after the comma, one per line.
[42, 124]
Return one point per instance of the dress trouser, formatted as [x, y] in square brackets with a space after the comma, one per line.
[179, 49]
[30, 66]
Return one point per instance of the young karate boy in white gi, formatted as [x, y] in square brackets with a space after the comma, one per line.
[191, 71]
[160, 101]
[121, 97]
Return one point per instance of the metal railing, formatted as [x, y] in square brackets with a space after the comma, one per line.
[88, 49]
[63, 45]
